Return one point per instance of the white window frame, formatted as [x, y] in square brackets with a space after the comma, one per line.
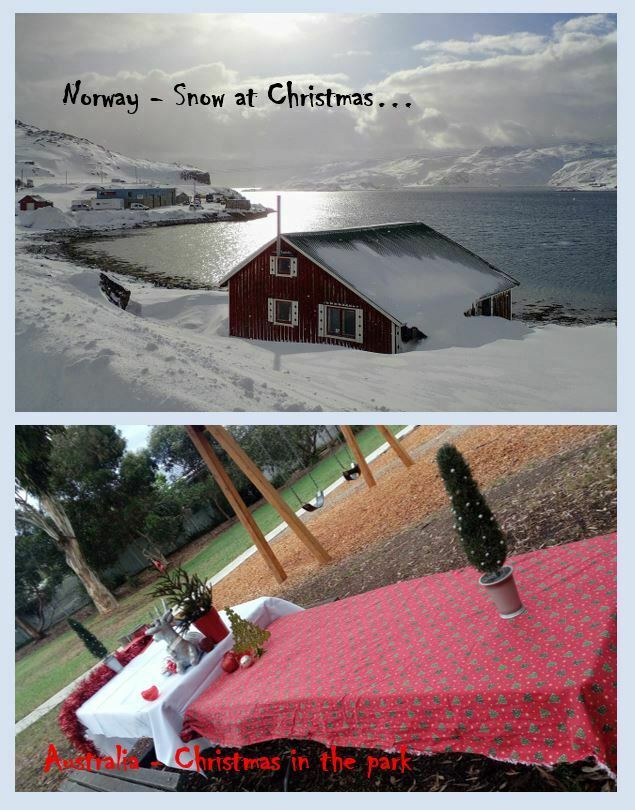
[273, 266]
[359, 322]
[271, 312]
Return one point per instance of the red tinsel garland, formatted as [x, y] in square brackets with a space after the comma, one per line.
[100, 676]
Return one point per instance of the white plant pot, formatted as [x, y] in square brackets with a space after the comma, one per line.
[111, 662]
[504, 593]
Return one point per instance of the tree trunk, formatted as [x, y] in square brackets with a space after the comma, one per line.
[102, 598]
[66, 541]
[28, 628]
[53, 520]
[218, 504]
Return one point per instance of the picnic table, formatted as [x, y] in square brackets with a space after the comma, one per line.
[428, 664]
[118, 715]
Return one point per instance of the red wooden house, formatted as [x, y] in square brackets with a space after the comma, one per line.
[376, 288]
[32, 201]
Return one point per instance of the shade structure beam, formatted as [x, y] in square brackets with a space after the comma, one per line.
[271, 494]
[351, 441]
[240, 508]
[396, 445]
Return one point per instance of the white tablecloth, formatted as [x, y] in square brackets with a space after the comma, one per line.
[118, 715]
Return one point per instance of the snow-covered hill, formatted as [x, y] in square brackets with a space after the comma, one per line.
[45, 155]
[587, 175]
[592, 166]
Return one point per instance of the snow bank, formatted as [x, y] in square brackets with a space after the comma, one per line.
[45, 219]
[76, 351]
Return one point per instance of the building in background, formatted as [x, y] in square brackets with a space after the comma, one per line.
[32, 201]
[156, 197]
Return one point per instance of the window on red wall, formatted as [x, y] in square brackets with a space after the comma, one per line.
[284, 311]
[340, 322]
[283, 266]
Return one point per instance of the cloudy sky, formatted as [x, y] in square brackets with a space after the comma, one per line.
[472, 80]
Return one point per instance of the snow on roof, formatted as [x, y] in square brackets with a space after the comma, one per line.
[414, 273]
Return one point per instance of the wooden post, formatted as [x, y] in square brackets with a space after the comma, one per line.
[228, 489]
[358, 455]
[238, 455]
[394, 442]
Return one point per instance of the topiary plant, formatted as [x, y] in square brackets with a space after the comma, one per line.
[480, 534]
[93, 644]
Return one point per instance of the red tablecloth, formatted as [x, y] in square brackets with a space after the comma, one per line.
[428, 664]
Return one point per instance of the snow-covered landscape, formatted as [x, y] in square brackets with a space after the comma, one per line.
[572, 166]
[171, 351]
[65, 169]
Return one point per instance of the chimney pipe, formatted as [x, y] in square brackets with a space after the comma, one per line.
[278, 225]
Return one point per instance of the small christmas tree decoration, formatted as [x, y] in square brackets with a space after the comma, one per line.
[249, 639]
[482, 538]
[483, 541]
[92, 643]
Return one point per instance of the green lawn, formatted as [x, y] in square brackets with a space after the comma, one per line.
[56, 663]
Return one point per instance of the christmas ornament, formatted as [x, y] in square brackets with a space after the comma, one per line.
[150, 694]
[248, 637]
[230, 662]
[169, 667]
[246, 661]
[182, 652]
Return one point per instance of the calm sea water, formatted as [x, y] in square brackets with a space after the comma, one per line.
[560, 246]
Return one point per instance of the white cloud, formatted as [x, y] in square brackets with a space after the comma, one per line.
[483, 45]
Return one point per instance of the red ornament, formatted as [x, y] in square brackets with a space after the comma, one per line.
[150, 694]
[230, 662]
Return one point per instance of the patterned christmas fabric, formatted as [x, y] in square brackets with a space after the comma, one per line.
[428, 664]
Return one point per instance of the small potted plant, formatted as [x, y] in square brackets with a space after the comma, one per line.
[191, 601]
[480, 534]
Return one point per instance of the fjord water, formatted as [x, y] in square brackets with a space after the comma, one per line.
[561, 246]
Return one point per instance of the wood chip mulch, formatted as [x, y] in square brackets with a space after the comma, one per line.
[356, 517]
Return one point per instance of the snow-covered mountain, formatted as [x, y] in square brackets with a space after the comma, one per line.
[597, 174]
[573, 165]
[46, 155]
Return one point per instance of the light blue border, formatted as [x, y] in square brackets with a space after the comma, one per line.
[624, 417]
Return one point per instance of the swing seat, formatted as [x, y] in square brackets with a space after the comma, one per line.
[353, 473]
[319, 502]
